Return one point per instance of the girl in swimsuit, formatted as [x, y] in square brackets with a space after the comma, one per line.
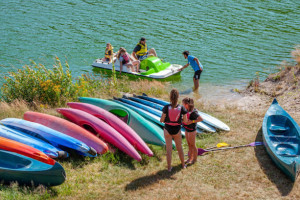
[173, 115]
[125, 59]
[190, 129]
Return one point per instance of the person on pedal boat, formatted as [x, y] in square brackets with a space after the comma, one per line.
[126, 60]
[140, 52]
[108, 53]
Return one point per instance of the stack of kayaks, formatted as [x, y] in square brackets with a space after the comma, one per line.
[148, 131]
[101, 129]
[92, 125]
[50, 136]
[36, 143]
[126, 131]
[27, 165]
[68, 128]
[153, 107]
[281, 135]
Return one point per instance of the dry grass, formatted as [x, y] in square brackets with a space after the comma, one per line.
[244, 173]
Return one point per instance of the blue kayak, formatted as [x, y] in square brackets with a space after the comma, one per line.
[148, 103]
[158, 111]
[158, 104]
[53, 137]
[149, 116]
[145, 114]
[15, 167]
[157, 101]
[36, 143]
[281, 135]
[142, 106]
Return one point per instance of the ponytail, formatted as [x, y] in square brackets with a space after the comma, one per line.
[190, 102]
[174, 95]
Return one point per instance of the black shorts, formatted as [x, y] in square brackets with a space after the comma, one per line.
[197, 74]
[172, 130]
[189, 129]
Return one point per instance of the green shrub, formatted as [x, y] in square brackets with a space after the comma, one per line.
[50, 86]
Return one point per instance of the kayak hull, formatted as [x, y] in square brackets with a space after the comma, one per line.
[150, 133]
[36, 143]
[210, 127]
[101, 129]
[25, 170]
[49, 135]
[69, 129]
[281, 135]
[158, 113]
[25, 150]
[115, 123]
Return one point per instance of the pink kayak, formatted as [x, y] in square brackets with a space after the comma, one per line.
[116, 123]
[101, 129]
[67, 128]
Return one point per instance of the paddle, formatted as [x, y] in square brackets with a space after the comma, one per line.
[222, 144]
[202, 151]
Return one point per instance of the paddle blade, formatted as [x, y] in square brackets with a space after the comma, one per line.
[256, 144]
[223, 144]
[201, 151]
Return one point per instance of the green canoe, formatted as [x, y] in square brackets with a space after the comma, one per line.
[149, 132]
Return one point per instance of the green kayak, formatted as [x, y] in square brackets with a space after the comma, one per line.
[149, 132]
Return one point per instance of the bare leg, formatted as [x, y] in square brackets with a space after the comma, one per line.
[152, 52]
[192, 146]
[137, 64]
[187, 137]
[178, 143]
[196, 83]
[168, 139]
[121, 67]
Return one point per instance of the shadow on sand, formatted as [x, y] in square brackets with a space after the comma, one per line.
[146, 181]
[282, 182]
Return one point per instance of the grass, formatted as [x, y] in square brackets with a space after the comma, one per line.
[244, 173]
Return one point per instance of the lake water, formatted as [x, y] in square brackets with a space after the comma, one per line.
[232, 39]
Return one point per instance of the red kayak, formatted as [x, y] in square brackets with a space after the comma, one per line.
[116, 123]
[25, 150]
[67, 128]
[101, 129]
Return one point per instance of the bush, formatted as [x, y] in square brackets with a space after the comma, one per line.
[50, 86]
[56, 86]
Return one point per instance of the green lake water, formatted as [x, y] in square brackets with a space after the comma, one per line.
[233, 39]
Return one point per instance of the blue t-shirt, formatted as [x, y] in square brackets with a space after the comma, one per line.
[193, 63]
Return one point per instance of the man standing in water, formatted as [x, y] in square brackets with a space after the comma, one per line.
[140, 52]
[196, 65]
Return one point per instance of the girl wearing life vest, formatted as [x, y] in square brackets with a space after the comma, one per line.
[125, 60]
[108, 53]
[173, 115]
[190, 129]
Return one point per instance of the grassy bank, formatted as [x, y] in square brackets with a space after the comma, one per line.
[244, 173]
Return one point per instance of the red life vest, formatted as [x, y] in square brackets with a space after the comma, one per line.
[188, 117]
[174, 116]
[126, 58]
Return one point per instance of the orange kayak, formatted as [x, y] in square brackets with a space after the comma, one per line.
[25, 150]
